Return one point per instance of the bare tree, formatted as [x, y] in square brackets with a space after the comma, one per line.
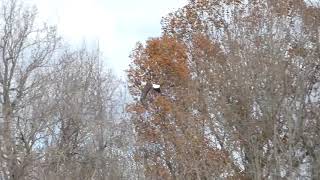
[62, 111]
[25, 50]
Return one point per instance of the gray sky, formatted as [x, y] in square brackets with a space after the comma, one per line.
[115, 24]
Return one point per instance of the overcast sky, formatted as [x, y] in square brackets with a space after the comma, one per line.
[116, 25]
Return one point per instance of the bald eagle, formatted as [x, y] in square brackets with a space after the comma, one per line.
[146, 89]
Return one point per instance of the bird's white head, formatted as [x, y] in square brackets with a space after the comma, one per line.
[156, 86]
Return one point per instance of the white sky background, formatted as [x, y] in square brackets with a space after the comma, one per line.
[116, 25]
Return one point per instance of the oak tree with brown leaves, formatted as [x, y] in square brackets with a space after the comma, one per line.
[247, 104]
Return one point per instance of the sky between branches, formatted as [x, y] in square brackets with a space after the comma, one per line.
[114, 25]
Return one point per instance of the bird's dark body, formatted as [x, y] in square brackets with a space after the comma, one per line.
[157, 89]
[146, 89]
